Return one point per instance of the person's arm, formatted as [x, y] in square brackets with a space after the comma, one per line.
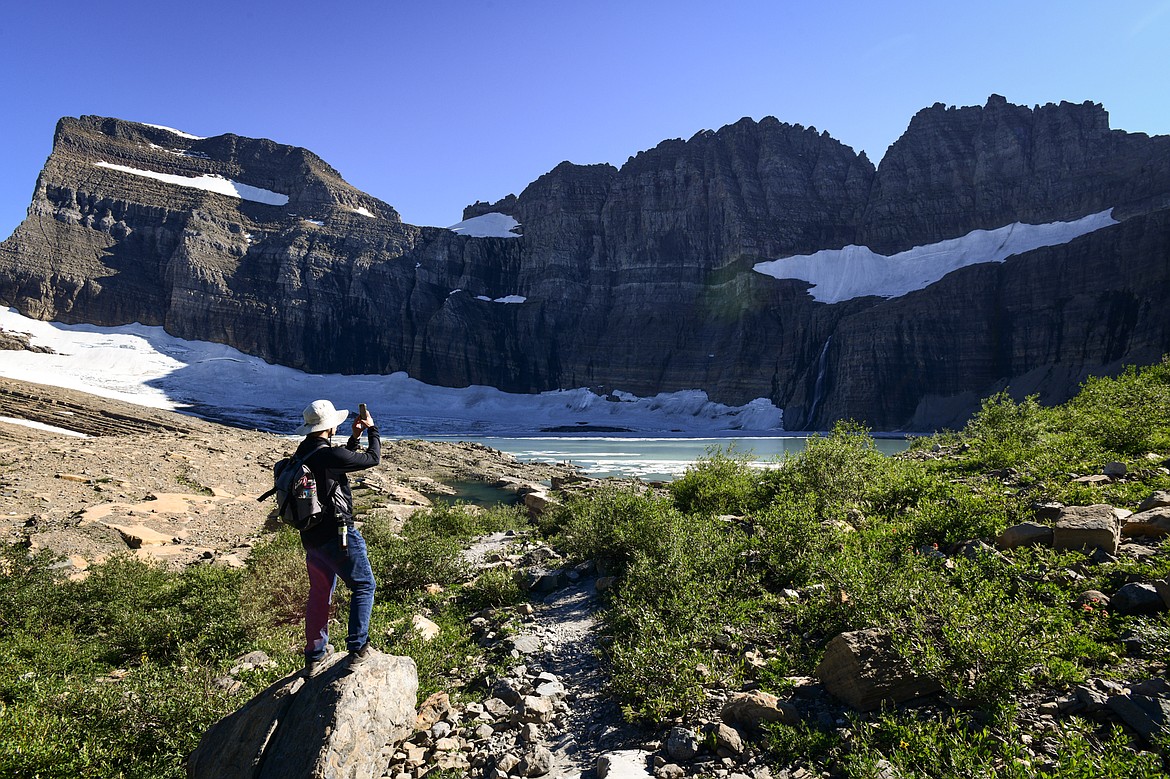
[345, 459]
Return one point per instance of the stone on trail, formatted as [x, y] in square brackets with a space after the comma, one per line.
[1148, 715]
[863, 669]
[535, 762]
[424, 628]
[1085, 527]
[336, 724]
[624, 764]
[682, 744]
[432, 710]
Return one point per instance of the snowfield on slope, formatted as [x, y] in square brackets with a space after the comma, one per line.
[145, 365]
[857, 271]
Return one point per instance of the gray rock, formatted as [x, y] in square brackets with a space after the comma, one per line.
[682, 744]
[1137, 598]
[536, 762]
[536, 709]
[1094, 599]
[1150, 523]
[497, 708]
[623, 764]
[1114, 470]
[554, 690]
[1025, 534]
[1047, 509]
[334, 724]
[1086, 527]
[863, 669]
[1149, 716]
[507, 691]
[726, 737]
[526, 644]
[1156, 500]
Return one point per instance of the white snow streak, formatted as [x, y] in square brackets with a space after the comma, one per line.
[487, 226]
[363, 211]
[179, 133]
[42, 426]
[208, 182]
[856, 271]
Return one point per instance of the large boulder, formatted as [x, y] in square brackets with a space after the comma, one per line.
[863, 669]
[1086, 527]
[339, 723]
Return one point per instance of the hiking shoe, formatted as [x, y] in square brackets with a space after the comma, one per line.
[359, 656]
[314, 666]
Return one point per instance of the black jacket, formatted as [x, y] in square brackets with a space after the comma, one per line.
[330, 466]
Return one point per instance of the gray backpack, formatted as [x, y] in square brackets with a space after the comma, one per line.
[295, 488]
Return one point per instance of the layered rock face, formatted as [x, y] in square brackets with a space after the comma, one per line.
[638, 278]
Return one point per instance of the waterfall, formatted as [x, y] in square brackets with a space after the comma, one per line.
[819, 386]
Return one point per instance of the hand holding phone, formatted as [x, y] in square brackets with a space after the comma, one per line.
[363, 420]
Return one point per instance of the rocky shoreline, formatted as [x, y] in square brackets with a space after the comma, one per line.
[181, 490]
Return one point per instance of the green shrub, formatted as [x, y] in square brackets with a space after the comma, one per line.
[275, 589]
[404, 564]
[1127, 414]
[722, 482]
[833, 470]
[493, 588]
[1004, 433]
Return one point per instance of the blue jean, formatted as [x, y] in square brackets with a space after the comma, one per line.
[328, 563]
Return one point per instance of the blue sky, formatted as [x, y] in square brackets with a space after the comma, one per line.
[433, 105]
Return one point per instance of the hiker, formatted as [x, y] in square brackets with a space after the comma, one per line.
[334, 548]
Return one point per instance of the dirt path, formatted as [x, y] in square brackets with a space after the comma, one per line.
[561, 638]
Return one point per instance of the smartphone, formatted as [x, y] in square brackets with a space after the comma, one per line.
[362, 413]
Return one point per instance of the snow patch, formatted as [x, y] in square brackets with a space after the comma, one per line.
[42, 426]
[857, 271]
[208, 182]
[363, 211]
[179, 133]
[145, 365]
[505, 299]
[317, 222]
[491, 225]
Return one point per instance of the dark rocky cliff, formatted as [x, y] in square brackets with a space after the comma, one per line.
[638, 278]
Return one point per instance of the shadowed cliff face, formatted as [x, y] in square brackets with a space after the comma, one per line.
[638, 278]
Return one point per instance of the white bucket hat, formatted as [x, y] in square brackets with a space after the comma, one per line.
[320, 415]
